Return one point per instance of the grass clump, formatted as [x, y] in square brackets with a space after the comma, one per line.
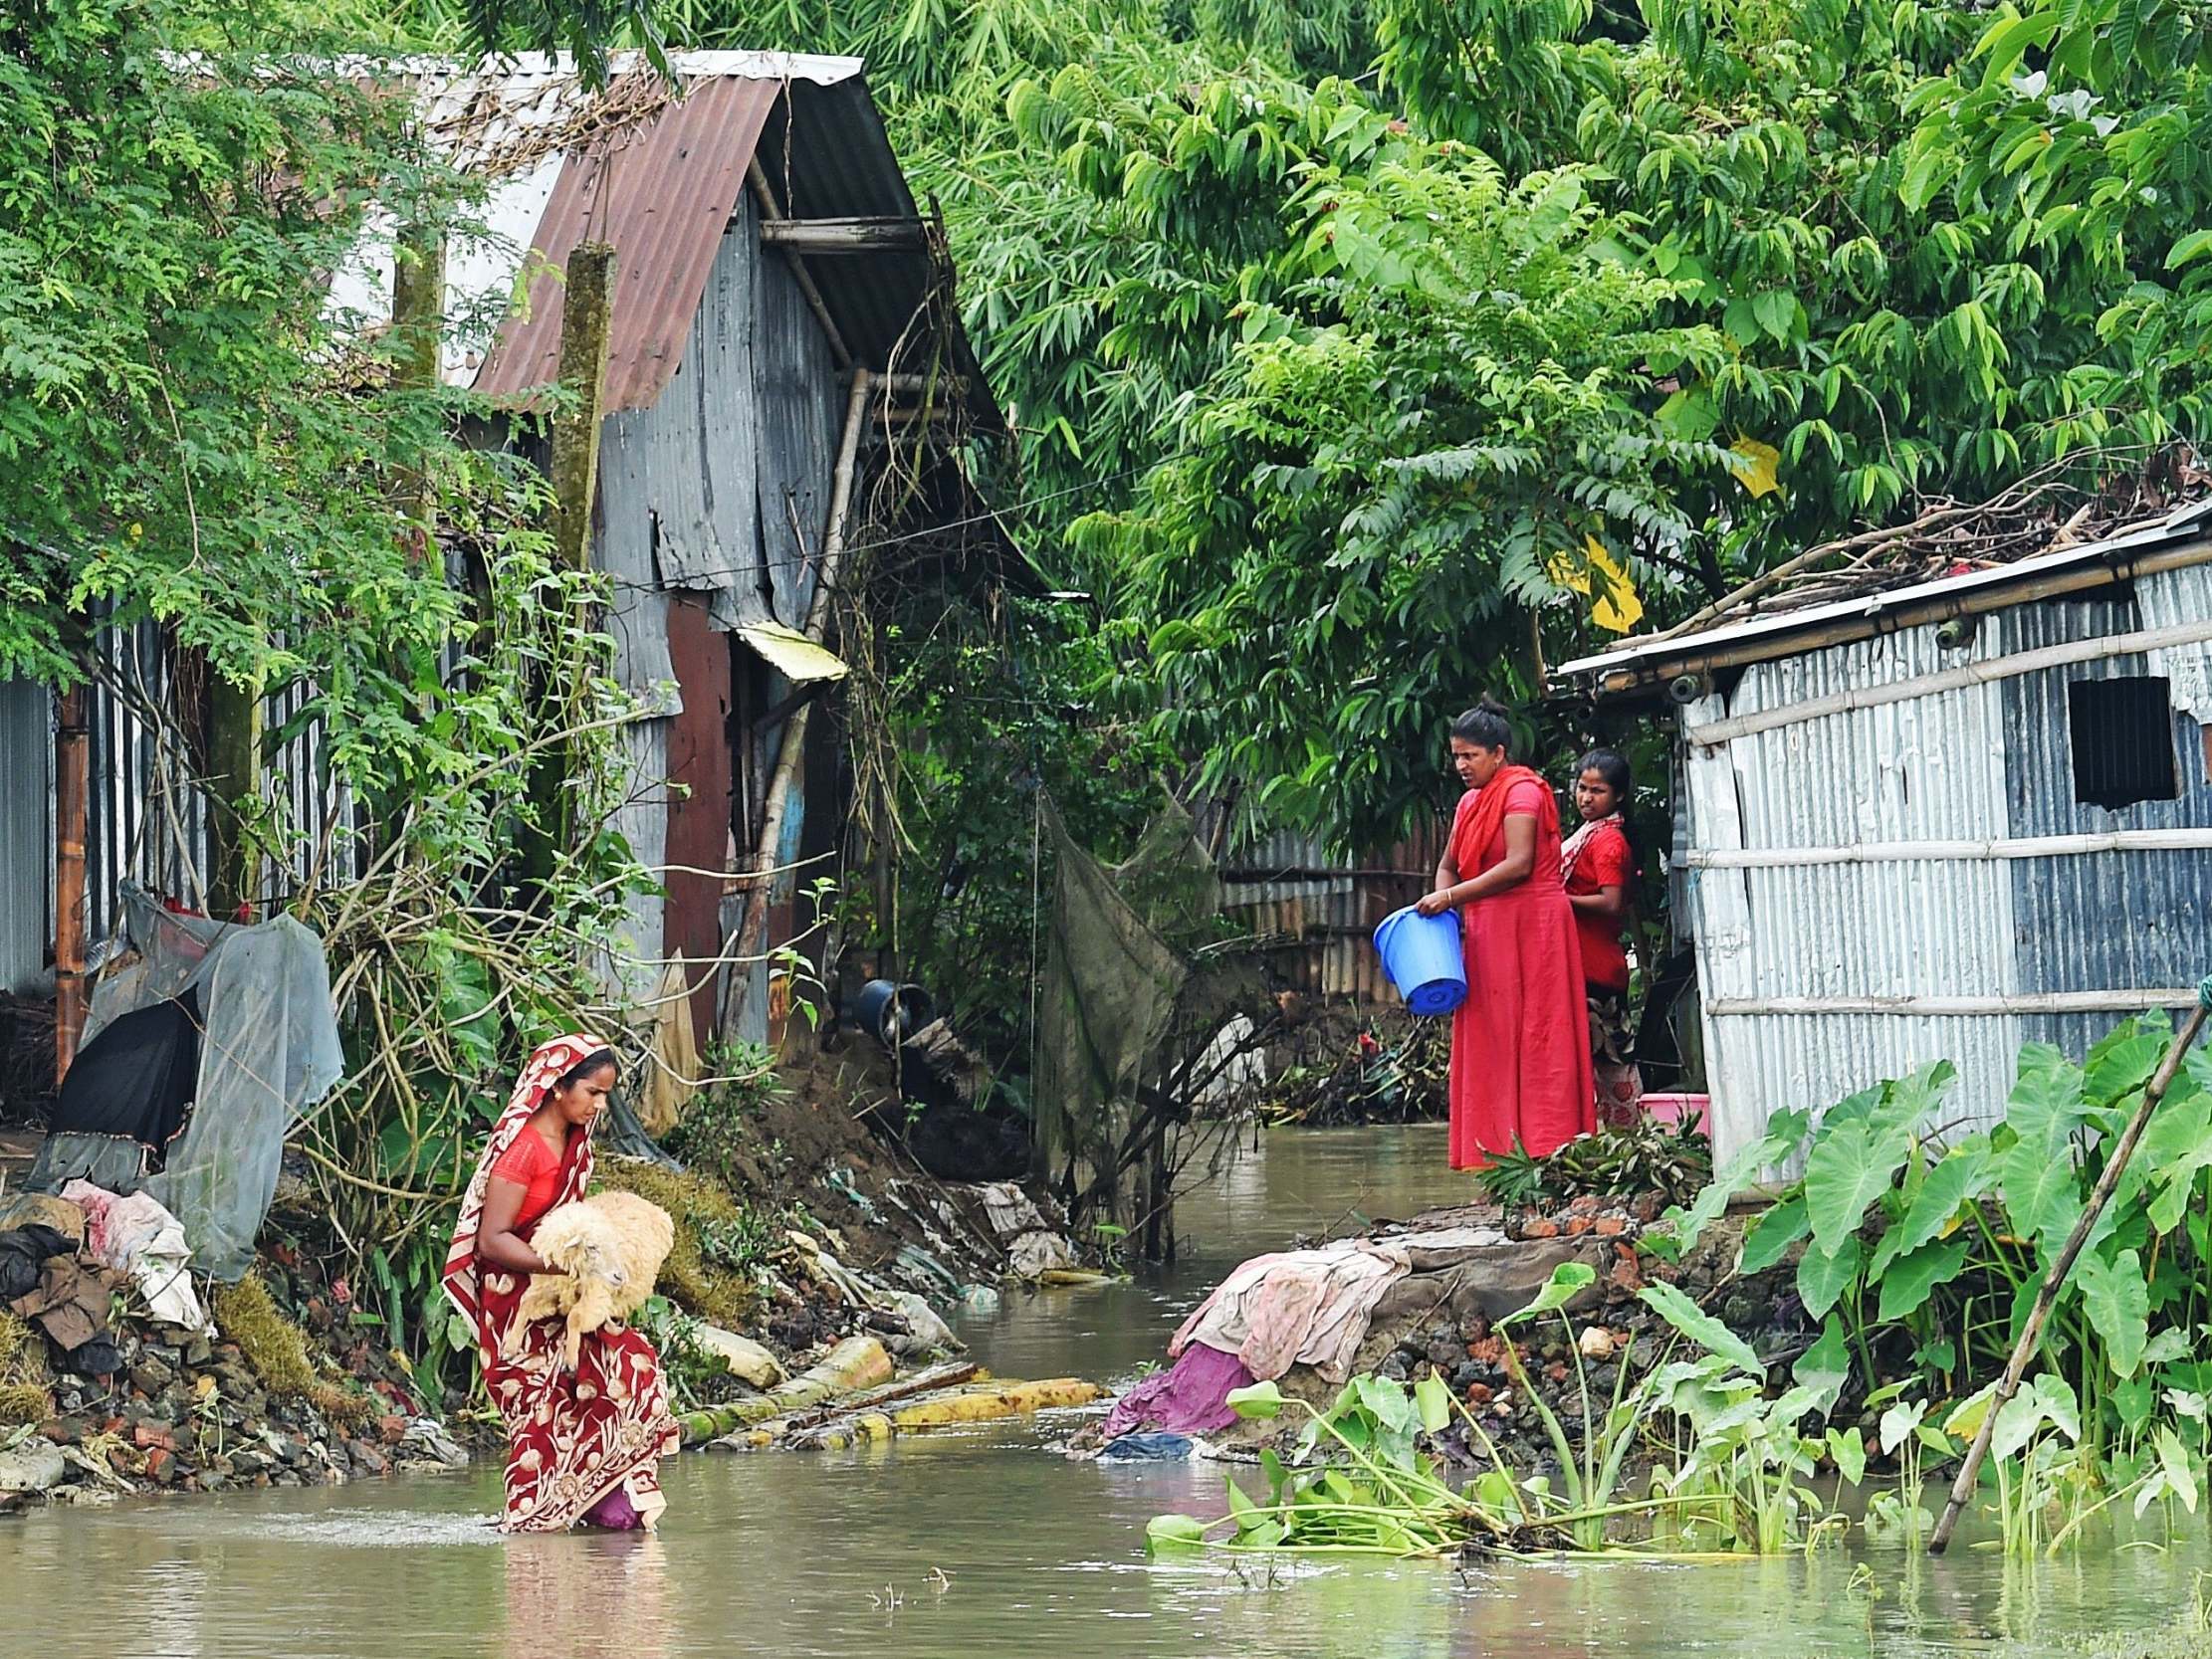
[23, 1395]
[275, 1349]
[699, 1209]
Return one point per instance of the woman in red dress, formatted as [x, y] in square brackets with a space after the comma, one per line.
[1599, 868]
[1520, 1043]
[581, 1445]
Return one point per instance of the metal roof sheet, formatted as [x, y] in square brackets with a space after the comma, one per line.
[656, 170]
[662, 193]
[1773, 636]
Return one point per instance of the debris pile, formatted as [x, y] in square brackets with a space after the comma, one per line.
[1464, 1270]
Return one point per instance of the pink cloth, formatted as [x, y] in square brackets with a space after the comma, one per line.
[1296, 1307]
[1187, 1398]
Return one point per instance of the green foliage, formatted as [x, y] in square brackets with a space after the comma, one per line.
[719, 1126]
[1646, 1157]
[984, 711]
[1707, 282]
[1359, 1480]
[1930, 1261]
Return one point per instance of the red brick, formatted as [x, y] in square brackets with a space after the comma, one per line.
[152, 1434]
[1540, 1229]
[1612, 1225]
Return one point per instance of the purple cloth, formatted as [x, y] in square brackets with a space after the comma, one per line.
[1188, 1399]
[615, 1511]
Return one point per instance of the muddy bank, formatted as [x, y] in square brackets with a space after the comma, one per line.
[800, 1226]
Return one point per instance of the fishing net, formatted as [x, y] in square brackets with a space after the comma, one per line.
[1120, 983]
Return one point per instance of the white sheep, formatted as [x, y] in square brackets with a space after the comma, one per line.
[609, 1247]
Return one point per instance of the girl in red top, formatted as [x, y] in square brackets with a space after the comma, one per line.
[1598, 869]
[1520, 1043]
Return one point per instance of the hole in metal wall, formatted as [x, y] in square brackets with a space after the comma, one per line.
[2122, 734]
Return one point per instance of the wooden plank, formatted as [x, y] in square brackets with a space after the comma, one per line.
[1952, 852]
[1950, 680]
[2020, 1002]
[845, 236]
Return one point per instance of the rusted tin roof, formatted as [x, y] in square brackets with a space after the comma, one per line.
[662, 192]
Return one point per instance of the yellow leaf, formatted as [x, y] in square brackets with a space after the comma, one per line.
[1755, 465]
[1561, 569]
[1618, 608]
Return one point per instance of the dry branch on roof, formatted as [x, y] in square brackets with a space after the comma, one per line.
[2063, 504]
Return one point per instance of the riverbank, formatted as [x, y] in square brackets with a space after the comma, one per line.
[1455, 1275]
[977, 1541]
[799, 1227]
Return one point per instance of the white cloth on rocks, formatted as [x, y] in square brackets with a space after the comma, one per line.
[135, 1235]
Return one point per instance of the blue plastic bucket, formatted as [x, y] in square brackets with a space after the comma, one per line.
[1423, 956]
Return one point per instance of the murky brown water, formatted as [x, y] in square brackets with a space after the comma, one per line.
[982, 1543]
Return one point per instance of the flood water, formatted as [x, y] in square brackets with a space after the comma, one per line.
[981, 1543]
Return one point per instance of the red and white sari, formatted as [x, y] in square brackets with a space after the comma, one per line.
[578, 1442]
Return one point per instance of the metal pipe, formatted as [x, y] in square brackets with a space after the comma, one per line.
[71, 800]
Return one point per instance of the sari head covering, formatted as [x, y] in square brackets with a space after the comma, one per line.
[543, 1070]
[1475, 825]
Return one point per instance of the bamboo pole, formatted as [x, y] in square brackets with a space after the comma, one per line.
[234, 732]
[419, 325]
[793, 747]
[573, 469]
[71, 800]
[771, 211]
[586, 300]
[1962, 1489]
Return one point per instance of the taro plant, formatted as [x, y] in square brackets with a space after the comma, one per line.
[1358, 1479]
[1919, 1247]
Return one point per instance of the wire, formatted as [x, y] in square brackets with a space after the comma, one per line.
[990, 516]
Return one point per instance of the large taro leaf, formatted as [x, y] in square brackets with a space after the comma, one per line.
[1700, 1326]
[1849, 1167]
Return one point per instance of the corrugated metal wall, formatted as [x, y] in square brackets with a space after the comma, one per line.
[2115, 920]
[802, 414]
[26, 834]
[1318, 916]
[1986, 762]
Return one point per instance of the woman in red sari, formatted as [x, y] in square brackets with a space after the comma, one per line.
[581, 1445]
[1520, 1043]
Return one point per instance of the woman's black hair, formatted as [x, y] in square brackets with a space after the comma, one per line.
[1484, 726]
[1607, 764]
[595, 1061]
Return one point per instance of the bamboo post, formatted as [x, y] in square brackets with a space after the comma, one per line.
[417, 312]
[573, 469]
[794, 745]
[1962, 1489]
[584, 309]
[234, 731]
[72, 798]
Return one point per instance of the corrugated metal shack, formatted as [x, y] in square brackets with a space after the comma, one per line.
[766, 248]
[1315, 914]
[1941, 819]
